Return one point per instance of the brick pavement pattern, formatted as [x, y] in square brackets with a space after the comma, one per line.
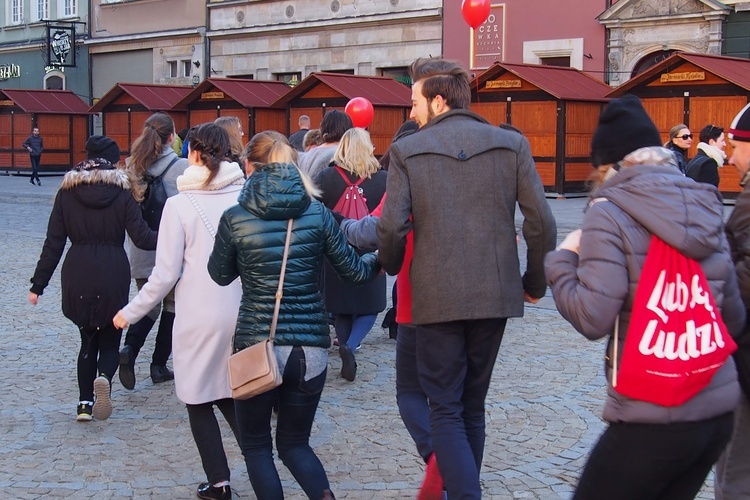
[542, 409]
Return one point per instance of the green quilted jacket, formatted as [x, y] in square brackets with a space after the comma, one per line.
[250, 244]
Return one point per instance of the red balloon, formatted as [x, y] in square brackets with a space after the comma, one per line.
[475, 12]
[361, 112]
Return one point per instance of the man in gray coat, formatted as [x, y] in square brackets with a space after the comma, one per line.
[456, 183]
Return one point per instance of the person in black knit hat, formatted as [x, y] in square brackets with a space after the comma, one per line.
[101, 146]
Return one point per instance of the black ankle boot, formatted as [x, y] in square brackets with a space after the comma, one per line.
[207, 490]
[161, 374]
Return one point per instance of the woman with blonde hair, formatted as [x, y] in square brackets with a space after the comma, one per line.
[151, 157]
[234, 130]
[354, 308]
[250, 245]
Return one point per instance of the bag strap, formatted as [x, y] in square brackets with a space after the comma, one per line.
[202, 214]
[174, 160]
[280, 290]
[615, 348]
[346, 177]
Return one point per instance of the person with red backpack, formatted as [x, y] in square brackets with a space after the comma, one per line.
[353, 186]
[609, 281]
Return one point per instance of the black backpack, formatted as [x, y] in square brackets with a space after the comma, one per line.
[155, 197]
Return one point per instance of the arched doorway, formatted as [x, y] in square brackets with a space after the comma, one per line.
[650, 60]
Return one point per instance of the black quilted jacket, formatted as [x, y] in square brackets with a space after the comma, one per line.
[250, 244]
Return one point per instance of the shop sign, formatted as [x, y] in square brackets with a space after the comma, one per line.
[688, 76]
[61, 42]
[212, 95]
[488, 40]
[503, 84]
[8, 71]
[6, 102]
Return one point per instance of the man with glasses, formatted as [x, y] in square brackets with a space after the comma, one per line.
[711, 156]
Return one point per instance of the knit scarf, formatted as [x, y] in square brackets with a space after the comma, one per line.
[715, 153]
[194, 177]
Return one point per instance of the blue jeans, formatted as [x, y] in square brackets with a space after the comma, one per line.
[351, 329]
[653, 461]
[35, 166]
[411, 399]
[297, 402]
[455, 361]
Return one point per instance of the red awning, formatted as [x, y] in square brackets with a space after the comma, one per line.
[248, 93]
[379, 90]
[63, 102]
[568, 84]
[152, 96]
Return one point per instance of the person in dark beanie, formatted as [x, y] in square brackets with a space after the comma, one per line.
[101, 146]
[648, 451]
[93, 209]
[34, 145]
[732, 479]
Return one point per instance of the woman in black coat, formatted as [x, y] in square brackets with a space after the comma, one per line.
[355, 308]
[93, 208]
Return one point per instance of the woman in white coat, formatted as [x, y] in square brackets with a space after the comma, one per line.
[202, 342]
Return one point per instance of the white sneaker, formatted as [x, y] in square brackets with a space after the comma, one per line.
[102, 402]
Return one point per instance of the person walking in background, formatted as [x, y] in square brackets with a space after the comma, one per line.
[151, 157]
[313, 139]
[206, 314]
[297, 138]
[250, 245]
[648, 451]
[234, 130]
[179, 139]
[680, 140]
[34, 145]
[704, 167]
[332, 128]
[456, 183]
[355, 308]
[732, 481]
[93, 209]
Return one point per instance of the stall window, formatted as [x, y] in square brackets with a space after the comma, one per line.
[39, 10]
[172, 69]
[67, 8]
[291, 79]
[15, 11]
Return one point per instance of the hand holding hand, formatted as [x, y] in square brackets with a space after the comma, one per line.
[119, 320]
[571, 242]
[33, 298]
[528, 298]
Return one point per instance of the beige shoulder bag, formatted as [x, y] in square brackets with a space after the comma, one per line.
[254, 370]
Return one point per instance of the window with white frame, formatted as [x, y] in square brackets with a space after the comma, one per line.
[172, 69]
[39, 10]
[67, 8]
[186, 67]
[15, 11]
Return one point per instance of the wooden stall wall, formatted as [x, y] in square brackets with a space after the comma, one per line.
[19, 128]
[537, 120]
[80, 136]
[6, 141]
[271, 119]
[116, 126]
[493, 112]
[384, 126]
[244, 116]
[198, 116]
[57, 137]
[665, 112]
[581, 119]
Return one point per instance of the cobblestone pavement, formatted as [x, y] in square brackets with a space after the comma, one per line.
[542, 408]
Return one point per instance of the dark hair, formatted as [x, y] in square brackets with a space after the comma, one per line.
[182, 134]
[335, 123]
[710, 132]
[406, 128]
[147, 148]
[212, 142]
[441, 77]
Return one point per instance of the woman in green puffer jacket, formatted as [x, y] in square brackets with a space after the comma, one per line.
[249, 245]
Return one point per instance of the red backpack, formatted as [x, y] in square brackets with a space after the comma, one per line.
[352, 204]
[676, 339]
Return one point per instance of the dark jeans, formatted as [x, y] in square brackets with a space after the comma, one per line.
[455, 361]
[99, 354]
[137, 333]
[297, 403]
[653, 461]
[207, 436]
[35, 166]
[412, 401]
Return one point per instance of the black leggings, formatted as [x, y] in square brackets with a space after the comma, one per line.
[99, 355]
[207, 436]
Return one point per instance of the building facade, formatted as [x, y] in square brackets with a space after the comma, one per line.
[42, 45]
